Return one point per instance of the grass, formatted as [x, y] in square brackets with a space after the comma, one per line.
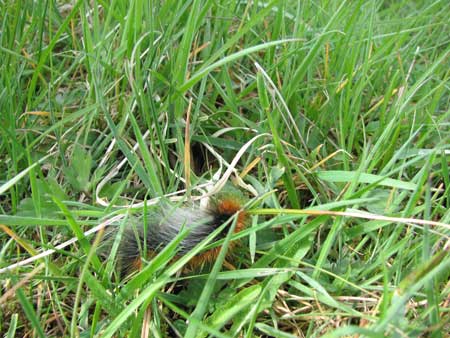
[332, 117]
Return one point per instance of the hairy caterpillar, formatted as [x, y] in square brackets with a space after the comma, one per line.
[163, 225]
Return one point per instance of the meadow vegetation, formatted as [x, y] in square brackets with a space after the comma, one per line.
[332, 117]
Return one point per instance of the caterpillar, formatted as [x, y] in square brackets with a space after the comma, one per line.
[164, 224]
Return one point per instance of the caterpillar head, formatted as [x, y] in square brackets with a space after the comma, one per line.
[226, 203]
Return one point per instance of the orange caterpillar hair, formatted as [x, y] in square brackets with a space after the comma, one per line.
[226, 208]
